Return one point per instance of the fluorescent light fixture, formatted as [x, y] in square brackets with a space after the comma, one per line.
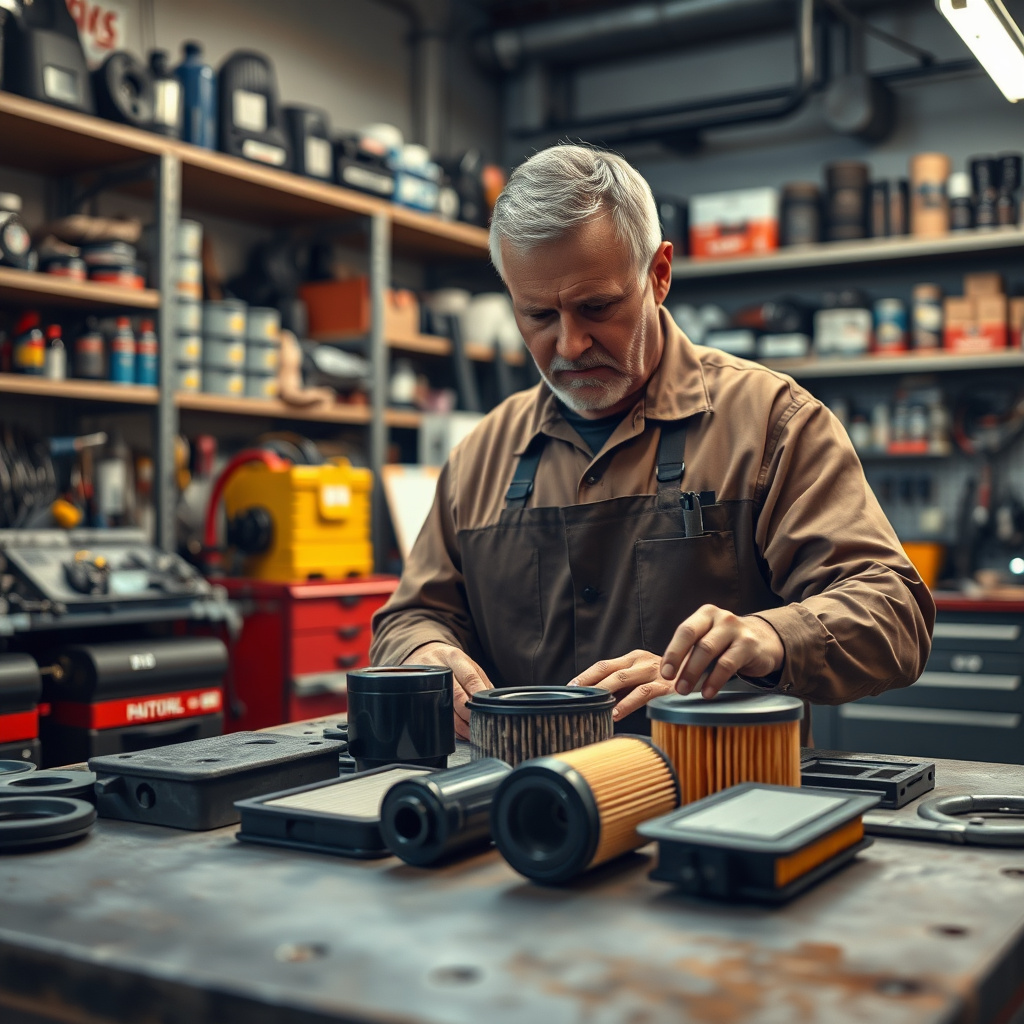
[994, 38]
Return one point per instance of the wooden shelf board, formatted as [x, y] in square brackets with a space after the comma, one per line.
[271, 407]
[915, 362]
[416, 233]
[81, 390]
[50, 140]
[424, 344]
[868, 250]
[23, 286]
[408, 418]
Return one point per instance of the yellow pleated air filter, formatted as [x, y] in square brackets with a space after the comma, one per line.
[555, 817]
[732, 738]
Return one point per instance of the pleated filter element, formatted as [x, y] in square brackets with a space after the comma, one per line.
[730, 739]
[555, 817]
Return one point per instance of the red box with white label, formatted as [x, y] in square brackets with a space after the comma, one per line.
[744, 222]
[112, 698]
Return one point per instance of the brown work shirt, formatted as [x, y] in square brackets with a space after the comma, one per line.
[854, 616]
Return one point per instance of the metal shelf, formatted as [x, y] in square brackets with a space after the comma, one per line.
[866, 251]
[940, 362]
[80, 390]
[23, 286]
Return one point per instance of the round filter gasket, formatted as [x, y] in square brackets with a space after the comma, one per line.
[541, 700]
[76, 785]
[8, 769]
[42, 821]
[729, 708]
[956, 810]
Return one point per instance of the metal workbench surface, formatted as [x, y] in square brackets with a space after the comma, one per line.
[145, 924]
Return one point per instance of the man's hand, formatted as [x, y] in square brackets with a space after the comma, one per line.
[723, 645]
[635, 677]
[468, 677]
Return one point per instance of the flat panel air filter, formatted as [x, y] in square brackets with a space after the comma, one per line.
[896, 782]
[340, 817]
[758, 842]
[195, 785]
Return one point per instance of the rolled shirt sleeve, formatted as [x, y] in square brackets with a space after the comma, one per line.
[857, 618]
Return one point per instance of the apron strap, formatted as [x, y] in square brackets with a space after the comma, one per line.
[671, 464]
[526, 469]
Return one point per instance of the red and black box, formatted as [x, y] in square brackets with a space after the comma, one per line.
[109, 698]
[20, 690]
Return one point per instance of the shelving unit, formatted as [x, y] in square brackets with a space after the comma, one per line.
[866, 251]
[912, 362]
[174, 175]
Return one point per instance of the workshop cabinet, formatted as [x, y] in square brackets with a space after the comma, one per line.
[968, 704]
[297, 643]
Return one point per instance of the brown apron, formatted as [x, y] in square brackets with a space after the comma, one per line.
[554, 590]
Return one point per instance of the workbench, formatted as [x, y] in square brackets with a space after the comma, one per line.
[145, 924]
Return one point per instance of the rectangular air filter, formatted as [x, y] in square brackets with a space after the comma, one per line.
[897, 782]
[340, 817]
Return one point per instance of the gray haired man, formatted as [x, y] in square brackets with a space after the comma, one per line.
[654, 515]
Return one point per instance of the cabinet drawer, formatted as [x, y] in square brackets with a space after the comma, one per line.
[330, 650]
[930, 732]
[979, 633]
[982, 692]
[324, 612]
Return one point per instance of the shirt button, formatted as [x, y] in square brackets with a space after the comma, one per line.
[592, 479]
[590, 594]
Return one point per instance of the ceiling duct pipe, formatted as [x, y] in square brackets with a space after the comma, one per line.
[639, 27]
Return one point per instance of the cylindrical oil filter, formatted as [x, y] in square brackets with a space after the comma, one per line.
[260, 385]
[224, 353]
[518, 723]
[403, 714]
[555, 817]
[260, 358]
[189, 378]
[223, 382]
[189, 278]
[263, 324]
[190, 239]
[733, 738]
[188, 349]
[929, 205]
[188, 316]
[434, 817]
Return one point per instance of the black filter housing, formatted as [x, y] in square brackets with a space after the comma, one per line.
[402, 714]
[358, 168]
[438, 816]
[43, 57]
[251, 125]
[309, 132]
[123, 88]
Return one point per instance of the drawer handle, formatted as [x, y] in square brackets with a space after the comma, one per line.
[960, 681]
[930, 716]
[350, 600]
[975, 631]
[347, 660]
[349, 632]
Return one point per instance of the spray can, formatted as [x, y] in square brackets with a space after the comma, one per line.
[147, 353]
[56, 365]
[29, 346]
[122, 353]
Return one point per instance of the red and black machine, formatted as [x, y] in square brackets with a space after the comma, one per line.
[20, 691]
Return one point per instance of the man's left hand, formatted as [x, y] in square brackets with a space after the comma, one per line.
[711, 642]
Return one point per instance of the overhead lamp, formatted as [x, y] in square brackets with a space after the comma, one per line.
[994, 38]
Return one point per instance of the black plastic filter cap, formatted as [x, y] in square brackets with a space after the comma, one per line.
[729, 708]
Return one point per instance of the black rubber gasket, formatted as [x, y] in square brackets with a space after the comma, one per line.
[8, 769]
[42, 820]
[74, 784]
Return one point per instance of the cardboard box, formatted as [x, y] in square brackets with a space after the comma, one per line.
[975, 324]
[744, 222]
[978, 285]
[1016, 322]
[339, 310]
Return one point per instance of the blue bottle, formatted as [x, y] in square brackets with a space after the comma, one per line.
[122, 353]
[199, 98]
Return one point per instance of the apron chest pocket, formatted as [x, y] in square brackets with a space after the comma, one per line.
[676, 575]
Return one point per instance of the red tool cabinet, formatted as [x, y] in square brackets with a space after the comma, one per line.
[298, 640]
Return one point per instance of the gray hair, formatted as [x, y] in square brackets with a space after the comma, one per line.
[560, 187]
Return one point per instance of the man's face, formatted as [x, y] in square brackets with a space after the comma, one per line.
[590, 324]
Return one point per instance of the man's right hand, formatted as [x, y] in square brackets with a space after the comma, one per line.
[468, 677]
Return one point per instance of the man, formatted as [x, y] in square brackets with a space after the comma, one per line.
[654, 516]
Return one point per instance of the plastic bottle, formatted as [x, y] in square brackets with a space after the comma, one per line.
[147, 355]
[961, 201]
[29, 346]
[929, 205]
[15, 241]
[122, 353]
[167, 99]
[89, 360]
[199, 98]
[56, 364]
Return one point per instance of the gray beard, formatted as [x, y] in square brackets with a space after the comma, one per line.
[582, 396]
